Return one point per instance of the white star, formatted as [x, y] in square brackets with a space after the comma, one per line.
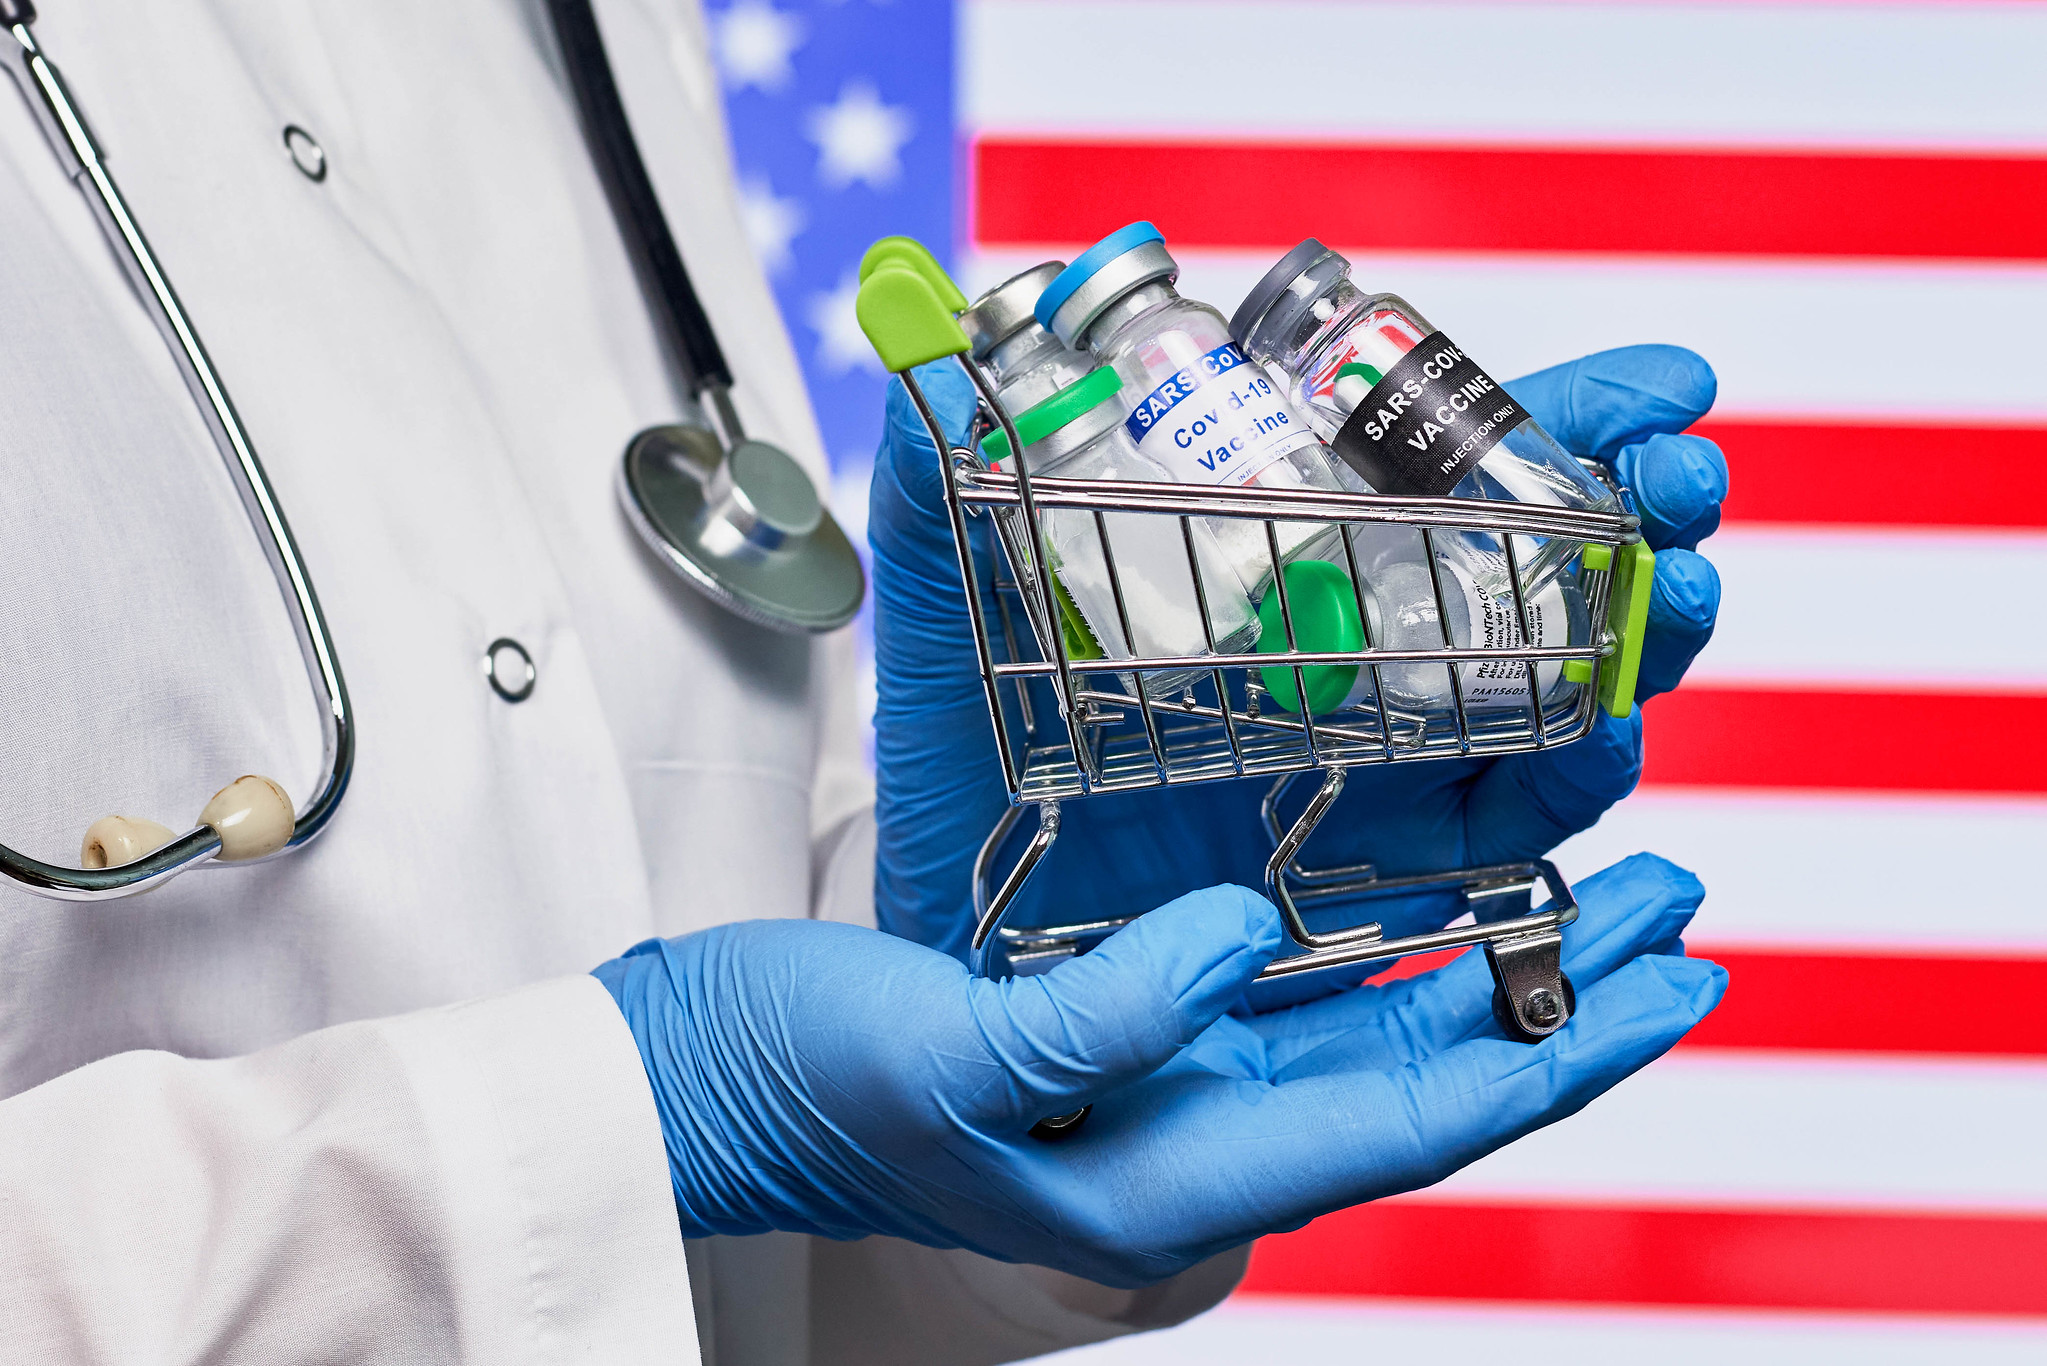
[859, 138]
[841, 345]
[772, 222]
[754, 40]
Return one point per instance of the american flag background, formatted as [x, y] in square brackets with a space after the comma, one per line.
[1844, 208]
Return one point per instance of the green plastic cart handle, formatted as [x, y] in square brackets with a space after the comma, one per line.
[905, 320]
[912, 253]
[1627, 617]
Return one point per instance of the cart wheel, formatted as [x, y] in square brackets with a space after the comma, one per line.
[1060, 1127]
[1505, 1015]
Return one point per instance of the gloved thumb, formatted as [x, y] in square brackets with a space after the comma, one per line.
[1116, 1015]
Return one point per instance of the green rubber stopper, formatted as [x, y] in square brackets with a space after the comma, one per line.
[1627, 617]
[904, 319]
[1369, 373]
[1042, 419]
[1325, 613]
[914, 254]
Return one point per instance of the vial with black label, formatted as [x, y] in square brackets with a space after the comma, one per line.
[1402, 404]
[1194, 405]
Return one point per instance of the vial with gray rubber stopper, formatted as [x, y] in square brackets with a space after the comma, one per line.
[1078, 433]
[1405, 406]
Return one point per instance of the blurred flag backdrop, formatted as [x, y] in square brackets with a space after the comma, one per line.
[1844, 208]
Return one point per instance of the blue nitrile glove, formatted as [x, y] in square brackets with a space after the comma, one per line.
[940, 788]
[821, 1078]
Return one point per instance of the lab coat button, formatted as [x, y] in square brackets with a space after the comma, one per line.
[306, 154]
[509, 669]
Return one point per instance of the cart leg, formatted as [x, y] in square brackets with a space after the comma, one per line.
[991, 907]
[1276, 889]
[1532, 998]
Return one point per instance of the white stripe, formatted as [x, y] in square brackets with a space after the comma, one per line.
[1872, 340]
[1270, 1328]
[1942, 609]
[1747, 1128]
[1892, 75]
[1866, 871]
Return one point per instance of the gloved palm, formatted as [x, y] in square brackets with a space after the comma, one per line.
[821, 1078]
[941, 791]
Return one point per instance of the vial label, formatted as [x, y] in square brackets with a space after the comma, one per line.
[1494, 626]
[1218, 421]
[1427, 422]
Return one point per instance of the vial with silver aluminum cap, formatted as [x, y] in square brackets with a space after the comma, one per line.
[1402, 404]
[1194, 405]
[1027, 362]
[1078, 433]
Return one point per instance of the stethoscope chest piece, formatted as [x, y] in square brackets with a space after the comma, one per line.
[746, 528]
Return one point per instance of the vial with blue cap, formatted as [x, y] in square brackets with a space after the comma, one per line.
[1194, 405]
[1078, 433]
[1406, 407]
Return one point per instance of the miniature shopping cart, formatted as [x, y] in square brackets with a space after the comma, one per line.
[1067, 726]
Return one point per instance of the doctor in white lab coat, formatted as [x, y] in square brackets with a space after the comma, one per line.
[365, 1103]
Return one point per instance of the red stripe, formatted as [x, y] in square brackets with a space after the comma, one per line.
[1502, 198]
[1928, 741]
[1878, 1002]
[1895, 1262]
[1792, 472]
[1947, 1004]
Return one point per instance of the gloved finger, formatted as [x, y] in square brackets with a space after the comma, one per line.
[1684, 603]
[938, 783]
[907, 525]
[1111, 1017]
[1527, 804]
[1679, 483]
[1640, 905]
[1337, 1139]
[1597, 405]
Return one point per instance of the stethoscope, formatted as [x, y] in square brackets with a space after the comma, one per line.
[739, 519]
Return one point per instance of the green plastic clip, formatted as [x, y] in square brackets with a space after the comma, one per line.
[1080, 638]
[914, 254]
[1627, 617]
[905, 320]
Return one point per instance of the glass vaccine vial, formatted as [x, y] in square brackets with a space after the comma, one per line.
[1403, 405]
[1079, 433]
[1194, 404]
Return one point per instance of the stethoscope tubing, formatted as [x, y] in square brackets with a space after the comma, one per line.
[71, 137]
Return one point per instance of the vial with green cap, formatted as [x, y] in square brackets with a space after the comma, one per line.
[1193, 404]
[1403, 612]
[1078, 433]
[1027, 363]
[1402, 404]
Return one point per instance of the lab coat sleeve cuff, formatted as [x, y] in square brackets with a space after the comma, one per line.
[545, 1132]
[894, 1303]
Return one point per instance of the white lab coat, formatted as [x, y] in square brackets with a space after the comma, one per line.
[439, 351]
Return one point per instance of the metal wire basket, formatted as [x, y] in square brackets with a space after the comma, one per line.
[1067, 726]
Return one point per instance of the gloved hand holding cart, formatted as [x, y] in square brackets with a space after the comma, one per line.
[1072, 719]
